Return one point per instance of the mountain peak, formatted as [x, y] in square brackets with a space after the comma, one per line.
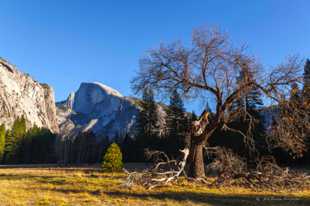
[103, 87]
[98, 108]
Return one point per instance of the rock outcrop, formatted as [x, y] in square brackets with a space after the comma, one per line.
[20, 95]
[98, 108]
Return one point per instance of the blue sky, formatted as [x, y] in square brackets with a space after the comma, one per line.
[64, 43]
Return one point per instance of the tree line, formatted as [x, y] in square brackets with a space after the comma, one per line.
[19, 145]
[149, 134]
[159, 127]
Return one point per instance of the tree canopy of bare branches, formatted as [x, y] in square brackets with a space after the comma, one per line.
[209, 68]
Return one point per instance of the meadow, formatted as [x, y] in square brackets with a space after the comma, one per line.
[90, 186]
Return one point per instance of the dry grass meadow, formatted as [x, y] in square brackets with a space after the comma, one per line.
[91, 187]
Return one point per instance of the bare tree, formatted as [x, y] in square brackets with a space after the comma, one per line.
[209, 69]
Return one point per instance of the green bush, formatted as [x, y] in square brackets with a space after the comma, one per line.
[113, 159]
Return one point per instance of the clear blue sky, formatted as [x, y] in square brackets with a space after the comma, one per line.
[64, 43]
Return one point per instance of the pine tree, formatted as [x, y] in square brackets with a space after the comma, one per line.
[27, 148]
[13, 141]
[306, 89]
[148, 123]
[2, 141]
[85, 148]
[177, 124]
[19, 128]
[150, 113]
[37, 146]
[306, 97]
[8, 147]
[43, 147]
[129, 149]
[18, 133]
[250, 101]
[193, 116]
[113, 159]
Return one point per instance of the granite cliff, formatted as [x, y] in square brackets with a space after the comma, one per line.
[20, 95]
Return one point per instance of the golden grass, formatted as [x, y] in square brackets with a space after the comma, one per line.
[78, 186]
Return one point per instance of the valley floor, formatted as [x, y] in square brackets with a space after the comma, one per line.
[91, 187]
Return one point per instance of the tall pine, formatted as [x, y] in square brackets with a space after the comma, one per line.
[14, 140]
[251, 102]
[2, 141]
[19, 128]
[306, 100]
[177, 124]
[8, 147]
[148, 124]
[151, 126]
[306, 89]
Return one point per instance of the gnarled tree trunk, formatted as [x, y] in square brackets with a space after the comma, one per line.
[196, 161]
[196, 139]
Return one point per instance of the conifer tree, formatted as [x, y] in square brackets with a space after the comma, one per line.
[113, 159]
[129, 149]
[193, 116]
[2, 141]
[252, 100]
[147, 127]
[13, 141]
[149, 113]
[85, 148]
[8, 147]
[27, 148]
[177, 124]
[18, 133]
[306, 89]
[306, 96]
[37, 146]
[19, 128]
[251, 103]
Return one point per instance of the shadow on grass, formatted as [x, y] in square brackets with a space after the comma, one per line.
[45, 179]
[215, 200]
[61, 180]
[77, 191]
[23, 176]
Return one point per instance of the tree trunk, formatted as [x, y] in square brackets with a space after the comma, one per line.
[196, 161]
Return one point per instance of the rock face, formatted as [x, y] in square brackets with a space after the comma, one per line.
[20, 95]
[98, 108]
